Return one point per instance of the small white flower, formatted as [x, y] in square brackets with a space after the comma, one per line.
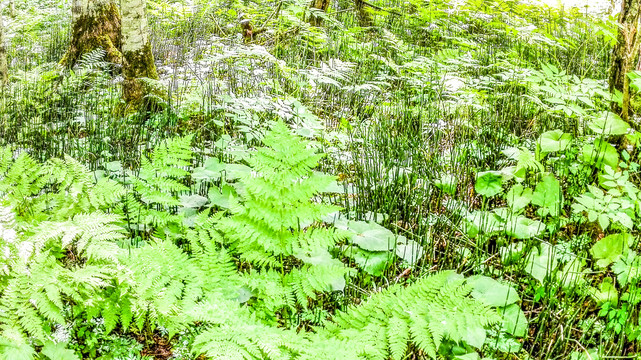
[25, 249]
[8, 235]
[61, 334]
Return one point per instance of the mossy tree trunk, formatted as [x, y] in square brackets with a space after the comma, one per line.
[364, 17]
[4, 68]
[95, 24]
[320, 5]
[138, 60]
[625, 52]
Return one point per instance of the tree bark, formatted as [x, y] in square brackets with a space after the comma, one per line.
[4, 68]
[95, 24]
[138, 60]
[364, 17]
[320, 5]
[623, 53]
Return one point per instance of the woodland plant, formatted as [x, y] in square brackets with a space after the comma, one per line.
[68, 263]
[468, 135]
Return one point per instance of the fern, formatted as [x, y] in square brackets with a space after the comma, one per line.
[68, 258]
[59, 189]
[33, 297]
[165, 282]
[423, 314]
[273, 225]
[38, 286]
[162, 179]
[20, 182]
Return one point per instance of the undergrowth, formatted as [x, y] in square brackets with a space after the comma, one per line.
[419, 180]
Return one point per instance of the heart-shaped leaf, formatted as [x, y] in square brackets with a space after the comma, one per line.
[410, 251]
[523, 228]
[554, 140]
[193, 201]
[609, 123]
[514, 320]
[541, 263]
[492, 292]
[489, 183]
[611, 247]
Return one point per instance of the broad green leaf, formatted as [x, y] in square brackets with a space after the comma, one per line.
[489, 183]
[12, 350]
[514, 321]
[572, 273]
[212, 169]
[58, 352]
[606, 292]
[372, 262]
[114, 166]
[512, 253]
[492, 292]
[470, 356]
[474, 335]
[541, 263]
[522, 228]
[589, 354]
[586, 100]
[193, 201]
[372, 236]
[625, 220]
[609, 123]
[334, 187]
[525, 160]
[483, 222]
[410, 251]
[554, 140]
[547, 195]
[235, 171]
[628, 268]
[611, 247]
[518, 197]
[506, 343]
[338, 283]
[604, 221]
[220, 196]
[319, 257]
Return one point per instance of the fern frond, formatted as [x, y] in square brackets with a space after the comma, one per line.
[424, 313]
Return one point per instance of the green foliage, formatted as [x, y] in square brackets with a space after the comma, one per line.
[276, 224]
[78, 264]
[440, 309]
[37, 286]
[158, 186]
[481, 131]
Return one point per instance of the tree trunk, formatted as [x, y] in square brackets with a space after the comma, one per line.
[138, 60]
[95, 24]
[320, 5]
[623, 53]
[12, 9]
[364, 17]
[4, 68]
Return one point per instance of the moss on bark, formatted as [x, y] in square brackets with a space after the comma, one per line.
[138, 64]
[99, 28]
[364, 17]
[622, 58]
[321, 5]
[4, 68]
